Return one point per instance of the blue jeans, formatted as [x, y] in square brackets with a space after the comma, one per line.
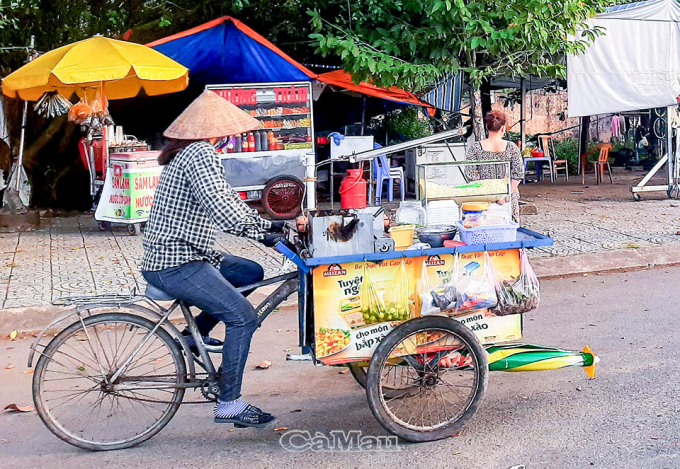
[214, 292]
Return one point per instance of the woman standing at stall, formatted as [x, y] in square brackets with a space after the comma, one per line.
[496, 148]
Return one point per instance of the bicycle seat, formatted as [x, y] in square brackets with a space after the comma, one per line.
[157, 294]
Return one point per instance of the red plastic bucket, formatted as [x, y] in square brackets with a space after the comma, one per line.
[353, 190]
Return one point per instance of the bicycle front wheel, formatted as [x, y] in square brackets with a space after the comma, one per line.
[81, 401]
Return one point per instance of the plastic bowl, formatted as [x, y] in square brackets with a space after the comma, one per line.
[537, 154]
[436, 235]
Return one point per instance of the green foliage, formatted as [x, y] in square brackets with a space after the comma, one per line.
[413, 43]
[409, 123]
[513, 136]
[56, 23]
[567, 149]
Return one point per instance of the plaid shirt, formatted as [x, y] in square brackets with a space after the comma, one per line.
[191, 201]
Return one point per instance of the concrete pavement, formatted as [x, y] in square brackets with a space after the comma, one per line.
[625, 418]
[69, 256]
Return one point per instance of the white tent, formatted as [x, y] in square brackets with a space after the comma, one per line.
[634, 65]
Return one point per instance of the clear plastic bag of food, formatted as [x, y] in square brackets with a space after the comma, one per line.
[429, 288]
[445, 298]
[426, 287]
[477, 288]
[518, 295]
[397, 296]
[80, 111]
[372, 295]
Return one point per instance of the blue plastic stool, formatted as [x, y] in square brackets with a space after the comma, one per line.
[382, 171]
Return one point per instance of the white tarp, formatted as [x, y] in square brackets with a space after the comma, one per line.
[634, 65]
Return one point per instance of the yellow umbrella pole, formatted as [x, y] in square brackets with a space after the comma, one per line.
[105, 141]
[22, 139]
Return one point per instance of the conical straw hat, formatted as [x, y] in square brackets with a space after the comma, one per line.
[210, 116]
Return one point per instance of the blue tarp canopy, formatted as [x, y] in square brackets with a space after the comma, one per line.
[227, 51]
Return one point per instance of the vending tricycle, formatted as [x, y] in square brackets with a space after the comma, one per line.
[419, 329]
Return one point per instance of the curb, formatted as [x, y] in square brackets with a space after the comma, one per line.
[620, 260]
[33, 319]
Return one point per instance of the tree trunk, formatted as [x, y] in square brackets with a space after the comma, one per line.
[585, 136]
[485, 91]
[31, 153]
[476, 111]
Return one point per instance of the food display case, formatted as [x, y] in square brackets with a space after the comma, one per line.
[480, 181]
[267, 164]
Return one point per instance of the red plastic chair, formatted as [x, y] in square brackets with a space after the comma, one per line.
[602, 161]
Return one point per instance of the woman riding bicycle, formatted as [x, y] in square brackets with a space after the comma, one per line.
[193, 200]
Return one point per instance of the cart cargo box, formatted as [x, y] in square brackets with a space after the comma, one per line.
[127, 195]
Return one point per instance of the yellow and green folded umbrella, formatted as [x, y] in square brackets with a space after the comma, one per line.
[527, 357]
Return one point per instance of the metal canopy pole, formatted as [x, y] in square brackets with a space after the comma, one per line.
[22, 136]
[22, 139]
[672, 155]
[523, 97]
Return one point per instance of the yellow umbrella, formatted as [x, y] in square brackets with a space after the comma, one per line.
[117, 69]
[124, 67]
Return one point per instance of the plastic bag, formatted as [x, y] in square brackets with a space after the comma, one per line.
[372, 303]
[397, 297]
[385, 301]
[519, 295]
[426, 289]
[80, 111]
[476, 291]
[445, 297]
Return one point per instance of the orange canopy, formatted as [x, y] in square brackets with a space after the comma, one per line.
[343, 79]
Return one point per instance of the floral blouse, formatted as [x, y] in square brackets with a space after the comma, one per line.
[512, 153]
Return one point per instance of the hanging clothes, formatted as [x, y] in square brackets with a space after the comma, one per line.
[616, 127]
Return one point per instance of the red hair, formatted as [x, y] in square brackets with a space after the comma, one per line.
[495, 120]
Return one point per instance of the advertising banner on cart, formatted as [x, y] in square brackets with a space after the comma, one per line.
[127, 195]
[348, 325]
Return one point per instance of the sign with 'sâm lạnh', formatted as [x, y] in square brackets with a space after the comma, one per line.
[127, 195]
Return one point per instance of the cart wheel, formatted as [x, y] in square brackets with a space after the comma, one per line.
[103, 225]
[133, 229]
[637, 197]
[282, 197]
[417, 395]
[360, 374]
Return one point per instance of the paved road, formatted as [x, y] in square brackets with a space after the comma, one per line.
[626, 418]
